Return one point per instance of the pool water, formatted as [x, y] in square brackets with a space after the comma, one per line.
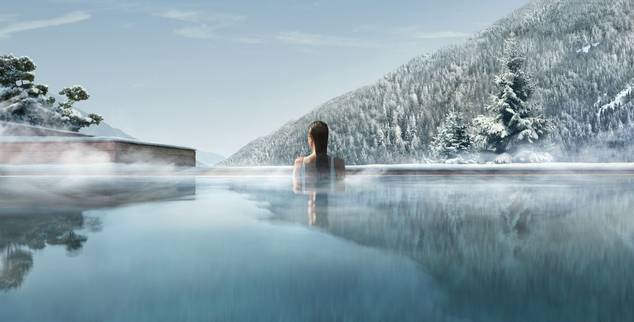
[370, 249]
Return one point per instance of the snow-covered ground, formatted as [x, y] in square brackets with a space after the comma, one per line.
[519, 167]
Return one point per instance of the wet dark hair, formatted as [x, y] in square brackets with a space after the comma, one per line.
[318, 131]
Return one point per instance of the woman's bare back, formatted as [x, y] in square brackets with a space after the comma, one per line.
[314, 166]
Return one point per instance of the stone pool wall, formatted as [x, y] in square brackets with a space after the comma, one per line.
[91, 150]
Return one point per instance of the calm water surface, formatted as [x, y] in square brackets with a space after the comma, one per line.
[370, 249]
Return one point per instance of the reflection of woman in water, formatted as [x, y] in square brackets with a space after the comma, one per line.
[318, 208]
[318, 165]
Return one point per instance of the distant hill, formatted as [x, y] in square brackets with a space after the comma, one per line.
[580, 54]
[104, 129]
[208, 158]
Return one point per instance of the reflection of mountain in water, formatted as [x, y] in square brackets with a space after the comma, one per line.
[37, 212]
[520, 250]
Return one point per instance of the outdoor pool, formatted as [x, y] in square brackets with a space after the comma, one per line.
[374, 248]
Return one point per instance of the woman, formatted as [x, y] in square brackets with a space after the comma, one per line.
[318, 166]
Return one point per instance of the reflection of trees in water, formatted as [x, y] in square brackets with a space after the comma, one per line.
[515, 251]
[36, 229]
[15, 263]
[21, 233]
[36, 212]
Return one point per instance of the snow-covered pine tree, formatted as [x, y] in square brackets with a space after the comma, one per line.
[24, 101]
[452, 138]
[72, 118]
[514, 120]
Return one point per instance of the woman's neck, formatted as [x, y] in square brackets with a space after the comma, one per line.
[316, 154]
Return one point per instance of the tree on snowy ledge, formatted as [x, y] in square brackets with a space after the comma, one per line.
[24, 101]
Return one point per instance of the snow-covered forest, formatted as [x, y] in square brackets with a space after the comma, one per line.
[22, 100]
[580, 59]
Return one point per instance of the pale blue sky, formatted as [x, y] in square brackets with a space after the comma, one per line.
[216, 74]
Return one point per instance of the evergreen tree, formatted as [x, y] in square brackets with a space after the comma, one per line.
[71, 117]
[514, 120]
[452, 138]
[24, 101]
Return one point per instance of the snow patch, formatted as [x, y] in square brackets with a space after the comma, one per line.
[460, 160]
[620, 99]
[586, 49]
[503, 158]
[527, 156]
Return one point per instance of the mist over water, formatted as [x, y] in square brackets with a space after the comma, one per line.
[514, 249]
[484, 248]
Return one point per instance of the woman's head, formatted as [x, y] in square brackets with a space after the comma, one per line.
[318, 137]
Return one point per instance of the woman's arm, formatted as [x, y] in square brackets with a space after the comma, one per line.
[297, 166]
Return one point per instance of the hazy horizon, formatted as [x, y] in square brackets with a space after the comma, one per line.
[217, 75]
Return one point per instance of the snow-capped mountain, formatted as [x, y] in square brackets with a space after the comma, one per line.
[580, 54]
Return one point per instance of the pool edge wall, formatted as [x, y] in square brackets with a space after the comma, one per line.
[92, 151]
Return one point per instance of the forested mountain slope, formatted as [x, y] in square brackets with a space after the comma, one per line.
[580, 54]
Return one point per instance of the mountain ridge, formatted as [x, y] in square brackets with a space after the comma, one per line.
[393, 120]
[105, 129]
